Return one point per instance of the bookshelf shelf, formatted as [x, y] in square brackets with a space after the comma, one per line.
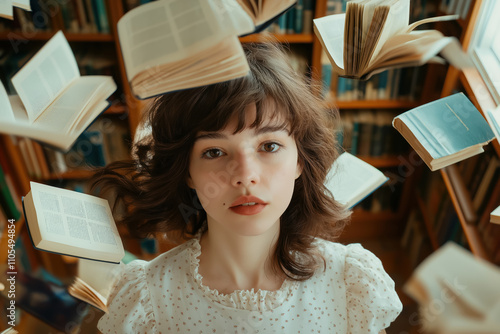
[382, 162]
[375, 104]
[79, 174]
[281, 38]
[45, 36]
[116, 109]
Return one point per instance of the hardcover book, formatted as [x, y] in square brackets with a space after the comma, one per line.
[495, 216]
[71, 223]
[445, 131]
[55, 104]
[351, 179]
[376, 35]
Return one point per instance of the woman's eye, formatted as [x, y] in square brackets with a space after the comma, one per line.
[212, 153]
[271, 147]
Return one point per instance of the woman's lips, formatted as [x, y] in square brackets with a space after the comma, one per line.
[247, 205]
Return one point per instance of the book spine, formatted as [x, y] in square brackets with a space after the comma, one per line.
[6, 199]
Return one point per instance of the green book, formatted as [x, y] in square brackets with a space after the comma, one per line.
[445, 131]
[6, 200]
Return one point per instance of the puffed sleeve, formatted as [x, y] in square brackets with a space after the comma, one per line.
[372, 301]
[129, 305]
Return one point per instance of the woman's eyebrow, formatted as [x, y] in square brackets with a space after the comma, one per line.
[258, 131]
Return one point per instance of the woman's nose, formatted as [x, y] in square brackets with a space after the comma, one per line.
[246, 171]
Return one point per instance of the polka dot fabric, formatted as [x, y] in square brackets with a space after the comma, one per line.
[352, 295]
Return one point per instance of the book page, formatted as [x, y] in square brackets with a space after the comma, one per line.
[75, 220]
[24, 4]
[167, 31]
[351, 179]
[232, 13]
[46, 75]
[6, 114]
[68, 109]
[397, 20]
[330, 31]
[99, 275]
[6, 10]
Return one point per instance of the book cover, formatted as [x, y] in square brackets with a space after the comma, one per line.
[445, 131]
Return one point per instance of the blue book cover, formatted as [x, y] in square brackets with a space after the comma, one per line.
[445, 131]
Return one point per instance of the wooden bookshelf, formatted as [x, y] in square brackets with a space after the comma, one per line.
[45, 36]
[375, 104]
[266, 37]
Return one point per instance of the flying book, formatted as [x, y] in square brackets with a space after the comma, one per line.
[464, 286]
[54, 104]
[94, 282]
[351, 179]
[445, 131]
[70, 223]
[376, 35]
[172, 45]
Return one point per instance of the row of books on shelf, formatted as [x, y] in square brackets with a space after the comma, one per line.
[370, 133]
[394, 84]
[77, 16]
[105, 141]
[456, 7]
[297, 20]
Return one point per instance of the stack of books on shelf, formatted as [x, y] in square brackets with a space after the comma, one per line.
[370, 133]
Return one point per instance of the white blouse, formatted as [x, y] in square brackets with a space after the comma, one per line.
[352, 295]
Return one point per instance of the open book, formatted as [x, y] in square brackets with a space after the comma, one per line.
[376, 35]
[7, 7]
[71, 223]
[94, 282]
[172, 45]
[464, 289]
[54, 104]
[445, 131]
[351, 179]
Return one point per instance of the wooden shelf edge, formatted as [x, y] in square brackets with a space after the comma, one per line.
[471, 232]
[383, 161]
[46, 35]
[374, 104]
[280, 38]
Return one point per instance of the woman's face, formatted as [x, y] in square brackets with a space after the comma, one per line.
[245, 181]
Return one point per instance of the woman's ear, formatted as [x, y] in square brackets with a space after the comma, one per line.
[298, 171]
[189, 182]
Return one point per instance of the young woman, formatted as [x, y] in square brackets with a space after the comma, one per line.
[237, 169]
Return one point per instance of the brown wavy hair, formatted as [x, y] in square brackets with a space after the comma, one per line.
[153, 186]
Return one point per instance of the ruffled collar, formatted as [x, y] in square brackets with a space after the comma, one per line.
[251, 300]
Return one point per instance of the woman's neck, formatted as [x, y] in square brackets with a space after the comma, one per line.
[231, 262]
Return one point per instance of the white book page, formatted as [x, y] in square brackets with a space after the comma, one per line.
[99, 275]
[330, 29]
[24, 4]
[397, 20]
[6, 113]
[76, 220]
[232, 13]
[68, 108]
[351, 179]
[6, 10]
[46, 75]
[167, 31]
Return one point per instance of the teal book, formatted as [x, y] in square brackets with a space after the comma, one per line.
[445, 131]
